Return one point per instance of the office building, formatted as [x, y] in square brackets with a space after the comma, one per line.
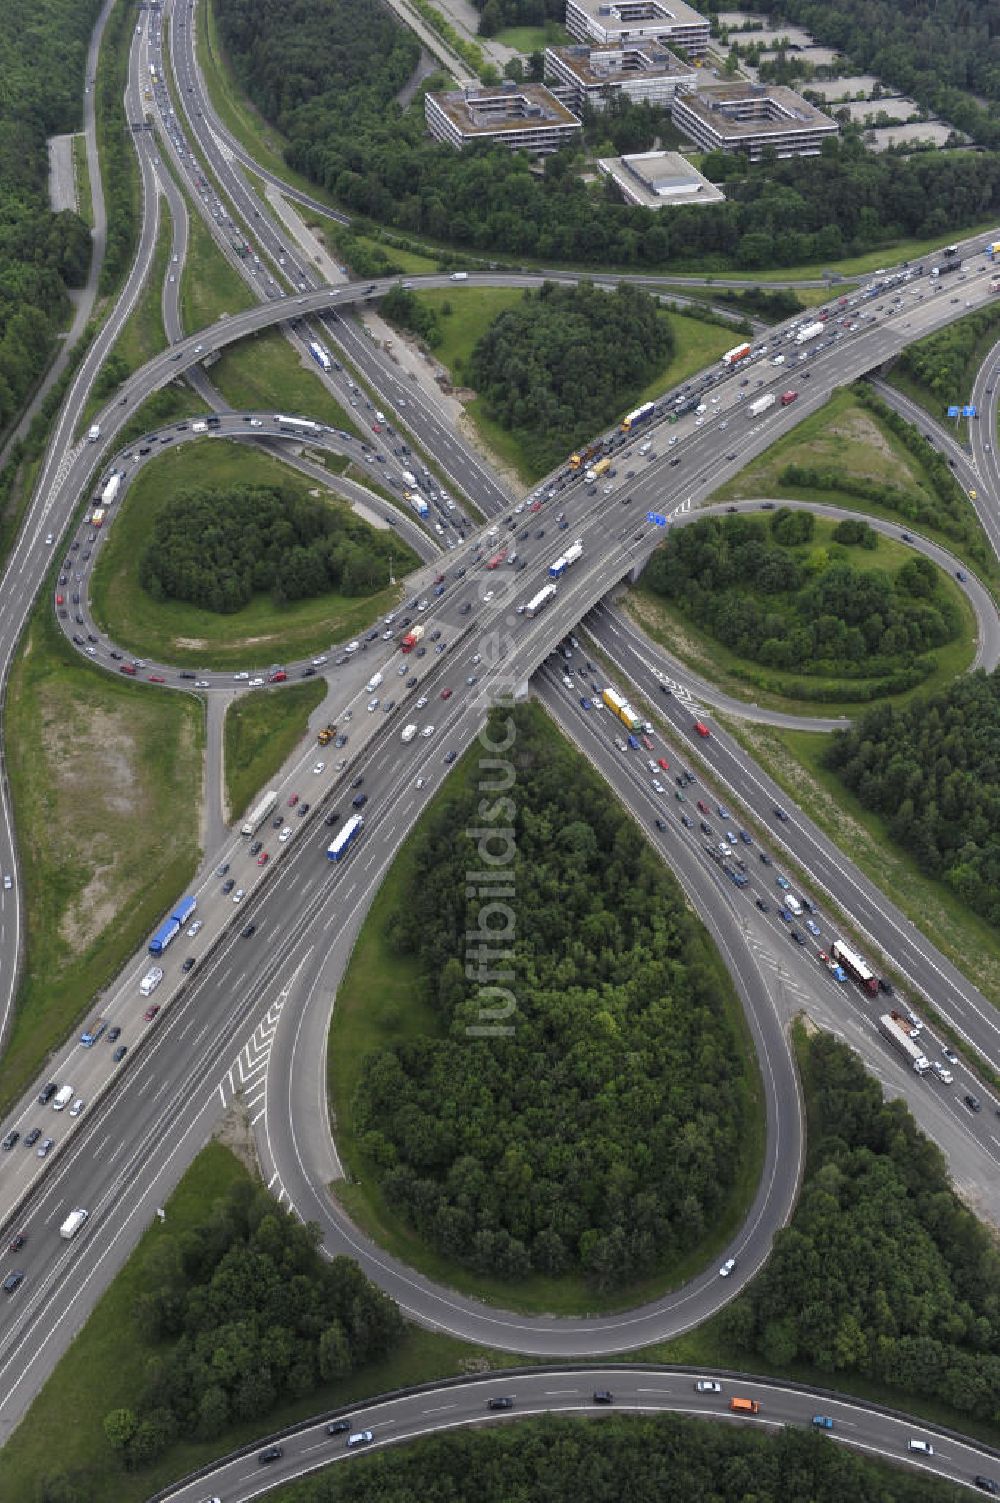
[647, 71]
[525, 117]
[750, 118]
[622, 23]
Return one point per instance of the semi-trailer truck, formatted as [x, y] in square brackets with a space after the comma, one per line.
[855, 965]
[621, 707]
[600, 468]
[893, 1027]
[258, 814]
[418, 503]
[111, 490]
[411, 639]
[945, 267]
[809, 331]
[738, 352]
[762, 404]
[566, 559]
[639, 415]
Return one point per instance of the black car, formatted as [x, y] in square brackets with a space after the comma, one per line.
[973, 1102]
[220, 871]
[31, 1138]
[113, 1034]
[779, 812]
[332, 817]
[277, 822]
[309, 672]
[12, 1281]
[763, 905]
[120, 1053]
[450, 757]
[228, 885]
[255, 850]
[189, 964]
[358, 781]
[603, 1396]
[338, 1427]
[987, 1485]
[765, 858]
[500, 1403]
[359, 800]
[797, 937]
[12, 1137]
[661, 824]
[249, 931]
[270, 1453]
[47, 1092]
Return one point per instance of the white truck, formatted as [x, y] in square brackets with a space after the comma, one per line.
[762, 404]
[408, 734]
[94, 433]
[199, 427]
[895, 1028]
[111, 490]
[373, 682]
[809, 331]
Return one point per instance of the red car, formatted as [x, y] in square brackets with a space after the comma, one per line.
[445, 693]
[263, 858]
[156, 678]
[151, 1012]
[536, 506]
[823, 956]
[702, 806]
[60, 600]
[376, 427]
[662, 762]
[128, 668]
[17, 1242]
[293, 801]
[278, 678]
[647, 743]
[439, 580]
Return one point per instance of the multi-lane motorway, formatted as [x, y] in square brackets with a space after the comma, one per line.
[126, 1152]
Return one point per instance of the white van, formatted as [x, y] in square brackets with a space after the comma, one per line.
[73, 1223]
[792, 904]
[373, 682]
[63, 1098]
[408, 734]
[359, 1438]
[151, 980]
[199, 427]
[460, 276]
[94, 433]
[351, 647]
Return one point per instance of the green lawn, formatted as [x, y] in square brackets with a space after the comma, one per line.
[209, 285]
[106, 780]
[526, 39]
[474, 309]
[265, 372]
[776, 688]
[81, 171]
[184, 634]
[143, 335]
[377, 1006]
[262, 730]
[846, 435]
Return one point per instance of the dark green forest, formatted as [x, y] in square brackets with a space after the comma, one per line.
[217, 549]
[762, 589]
[945, 363]
[665, 1459]
[940, 51]
[605, 1132]
[42, 66]
[932, 770]
[245, 1314]
[883, 1272]
[557, 366]
[327, 72]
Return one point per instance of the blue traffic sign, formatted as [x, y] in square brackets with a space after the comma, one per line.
[656, 519]
[954, 412]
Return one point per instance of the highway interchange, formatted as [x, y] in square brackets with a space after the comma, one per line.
[221, 1035]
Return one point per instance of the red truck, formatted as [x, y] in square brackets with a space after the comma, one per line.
[788, 397]
[411, 639]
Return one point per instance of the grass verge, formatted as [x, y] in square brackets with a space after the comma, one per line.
[795, 760]
[107, 1362]
[179, 633]
[81, 172]
[378, 1005]
[210, 288]
[106, 781]
[144, 335]
[775, 688]
[261, 731]
[265, 372]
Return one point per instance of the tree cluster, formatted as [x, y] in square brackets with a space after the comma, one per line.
[40, 252]
[555, 368]
[759, 589]
[603, 1133]
[945, 363]
[932, 770]
[663, 1457]
[943, 52]
[245, 1314]
[328, 73]
[883, 1272]
[495, 15]
[407, 311]
[218, 548]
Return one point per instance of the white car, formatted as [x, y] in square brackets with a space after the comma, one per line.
[922, 1447]
[707, 1385]
[421, 701]
[372, 706]
[421, 605]
[201, 683]
[256, 683]
[488, 596]
[77, 1107]
[318, 662]
[49, 539]
[195, 928]
[239, 678]
[727, 1268]
[657, 786]
[420, 782]
[319, 768]
[8, 882]
[428, 730]
[285, 834]
[239, 895]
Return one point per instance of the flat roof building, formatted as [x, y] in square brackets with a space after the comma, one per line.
[619, 23]
[751, 117]
[659, 180]
[586, 75]
[525, 117]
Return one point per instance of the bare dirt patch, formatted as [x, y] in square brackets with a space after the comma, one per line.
[234, 1132]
